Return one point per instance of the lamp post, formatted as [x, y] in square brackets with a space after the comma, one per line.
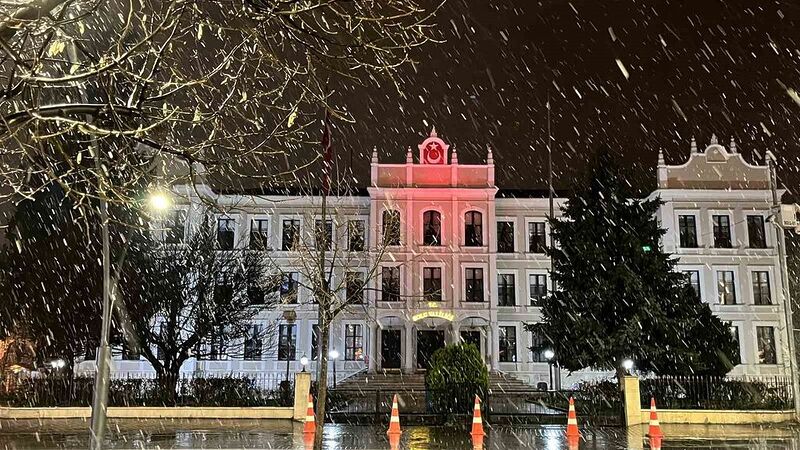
[548, 355]
[334, 354]
[100, 400]
[304, 362]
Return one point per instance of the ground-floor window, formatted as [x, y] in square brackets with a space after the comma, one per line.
[735, 336]
[287, 342]
[538, 347]
[767, 351]
[314, 341]
[508, 343]
[252, 343]
[353, 343]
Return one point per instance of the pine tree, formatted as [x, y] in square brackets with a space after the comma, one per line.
[618, 294]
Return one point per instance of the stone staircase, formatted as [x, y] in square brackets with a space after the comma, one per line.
[415, 382]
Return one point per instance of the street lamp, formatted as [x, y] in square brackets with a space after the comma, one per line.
[549, 355]
[627, 364]
[159, 201]
[57, 364]
[334, 354]
[304, 362]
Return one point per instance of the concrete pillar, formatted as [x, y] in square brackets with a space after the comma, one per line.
[408, 359]
[454, 338]
[373, 350]
[302, 387]
[632, 400]
[493, 348]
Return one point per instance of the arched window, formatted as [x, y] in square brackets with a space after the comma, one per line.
[473, 229]
[432, 228]
[391, 227]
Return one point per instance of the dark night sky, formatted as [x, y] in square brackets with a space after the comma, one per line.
[695, 68]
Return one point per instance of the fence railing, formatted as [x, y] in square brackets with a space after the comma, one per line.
[146, 389]
[706, 392]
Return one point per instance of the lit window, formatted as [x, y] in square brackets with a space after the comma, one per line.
[353, 343]
[767, 351]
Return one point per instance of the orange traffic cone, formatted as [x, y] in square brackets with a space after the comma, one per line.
[477, 422]
[394, 421]
[655, 443]
[311, 423]
[394, 441]
[477, 442]
[655, 428]
[573, 442]
[572, 421]
[308, 440]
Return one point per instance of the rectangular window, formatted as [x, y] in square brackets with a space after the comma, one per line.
[506, 289]
[291, 234]
[508, 343]
[391, 227]
[390, 284]
[354, 287]
[255, 293]
[353, 343]
[223, 289]
[693, 277]
[505, 237]
[474, 284]
[226, 231]
[761, 288]
[259, 234]
[323, 234]
[217, 346]
[536, 237]
[722, 231]
[687, 226]
[288, 289]
[356, 235]
[735, 336]
[315, 334]
[432, 283]
[287, 342]
[756, 234]
[473, 229]
[252, 343]
[767, 351]
[538, 287]
[538, 348]
[174, 226]
[726, 287]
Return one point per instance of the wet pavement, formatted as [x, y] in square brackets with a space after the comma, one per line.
[253, 434]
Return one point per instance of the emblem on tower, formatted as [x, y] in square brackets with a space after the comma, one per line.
[433, 150]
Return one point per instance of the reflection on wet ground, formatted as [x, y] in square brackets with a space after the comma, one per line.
[252, 434]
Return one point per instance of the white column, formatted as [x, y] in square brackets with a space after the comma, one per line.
[373, 350]
[408, 360]
[494, 336]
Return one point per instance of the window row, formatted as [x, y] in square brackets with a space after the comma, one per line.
[290, 237]
[726, 285]
[286, 287]
[722, 232]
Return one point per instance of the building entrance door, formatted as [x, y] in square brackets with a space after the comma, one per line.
[428, 341]
[390, 349]
[472, 337]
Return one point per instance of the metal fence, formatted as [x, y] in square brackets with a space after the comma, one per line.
[707, 392]
[595, 405]
[146, 389]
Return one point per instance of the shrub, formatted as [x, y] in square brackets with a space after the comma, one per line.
[456, 375]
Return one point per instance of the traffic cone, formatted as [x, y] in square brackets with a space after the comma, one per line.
[573, 442]
[655, 443]
[477, 442]
[477, 422]
[310, 427]
[655, 428]
[308, 440]
[394, 421]
[572, 421]
[394, 441]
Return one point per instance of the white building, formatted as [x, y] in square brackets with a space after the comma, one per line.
[467, 261]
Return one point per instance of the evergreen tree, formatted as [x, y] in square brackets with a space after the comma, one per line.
[618, 294]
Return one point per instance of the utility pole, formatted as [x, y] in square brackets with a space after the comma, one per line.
[785, 295]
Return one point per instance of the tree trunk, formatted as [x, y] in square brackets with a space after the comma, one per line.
[322, 377]
[167, 379]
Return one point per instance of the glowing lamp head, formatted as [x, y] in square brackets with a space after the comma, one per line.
[304, 361]
[627, 364]
[549, 354]
[57, 364]
[159, 201]
[334, 354]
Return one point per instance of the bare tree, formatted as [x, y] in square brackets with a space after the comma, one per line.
[153, 86]
[195, 299]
